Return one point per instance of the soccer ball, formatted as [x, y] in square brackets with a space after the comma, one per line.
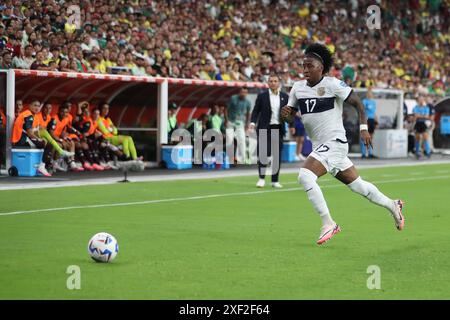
[103, 247]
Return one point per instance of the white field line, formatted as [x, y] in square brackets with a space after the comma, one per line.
[320, 180]
[220, 195]
[191, 176]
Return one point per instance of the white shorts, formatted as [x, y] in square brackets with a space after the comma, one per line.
[333, 156]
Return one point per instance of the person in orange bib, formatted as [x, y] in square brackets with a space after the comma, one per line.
[84, 124]
[43, 119]
[26, 134]
[2, 135]
[2, 120]
[60, 128]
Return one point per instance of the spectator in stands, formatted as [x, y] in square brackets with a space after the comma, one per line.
[25, 59]
[25, 134]
[39, 64]
[64, 65]
[55, 54]
[94, 64]
[410, 54]
[235, 73]
[6, 62]
[73, 66]
[236, 122]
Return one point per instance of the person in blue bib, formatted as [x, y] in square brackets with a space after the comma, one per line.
[422, 115]
[370, 107]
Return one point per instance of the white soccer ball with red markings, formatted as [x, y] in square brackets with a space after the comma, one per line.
[103, 247]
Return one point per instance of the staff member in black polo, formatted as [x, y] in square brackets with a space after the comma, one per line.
[267, 115]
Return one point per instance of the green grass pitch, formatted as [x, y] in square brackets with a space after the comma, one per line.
[237, 243]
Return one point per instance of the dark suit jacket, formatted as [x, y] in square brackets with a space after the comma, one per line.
[262, 112]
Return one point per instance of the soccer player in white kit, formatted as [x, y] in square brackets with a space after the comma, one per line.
[320, 100]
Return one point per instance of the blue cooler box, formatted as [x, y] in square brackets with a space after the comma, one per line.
[177, 157]
[222, 161]
[27, 161]
[288, 152]
[445, 125]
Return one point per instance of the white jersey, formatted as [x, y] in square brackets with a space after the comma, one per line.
[321, 108]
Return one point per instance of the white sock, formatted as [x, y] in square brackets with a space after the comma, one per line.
[368, 190]
[308, 179]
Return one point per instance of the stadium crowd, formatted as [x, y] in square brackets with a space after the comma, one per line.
[231, 40]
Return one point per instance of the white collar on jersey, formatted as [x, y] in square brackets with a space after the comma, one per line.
[316, 83]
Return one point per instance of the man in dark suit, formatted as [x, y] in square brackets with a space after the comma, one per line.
[266, 117]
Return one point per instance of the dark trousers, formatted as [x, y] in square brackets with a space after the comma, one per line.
[262, 161]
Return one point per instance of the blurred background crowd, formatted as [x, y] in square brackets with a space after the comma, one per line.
[232, 40]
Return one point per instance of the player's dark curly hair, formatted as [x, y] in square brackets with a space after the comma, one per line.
[320, 52]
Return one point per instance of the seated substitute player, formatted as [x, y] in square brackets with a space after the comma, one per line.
[100, 149]
[19, 108]
[2, 135]
[2, 119]
[59, 128]
[110, 133]
[26, 134]
[107, 152]
[320, 99]
[83, 122]
[81, 149]
[43, 119]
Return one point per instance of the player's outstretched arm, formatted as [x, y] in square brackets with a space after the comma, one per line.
[355, 101]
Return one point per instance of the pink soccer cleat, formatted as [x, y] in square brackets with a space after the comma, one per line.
[88, 166]
[397, 214]
[97, 167]
[327, 233]
[73, 167]
[43, 171]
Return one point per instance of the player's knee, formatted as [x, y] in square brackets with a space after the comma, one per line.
[306, 178]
